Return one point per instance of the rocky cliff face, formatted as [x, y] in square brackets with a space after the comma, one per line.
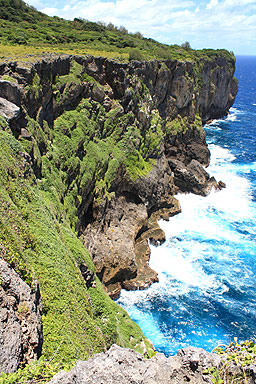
[21, 332]
[158, 107]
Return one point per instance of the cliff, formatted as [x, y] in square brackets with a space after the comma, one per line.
[92, 152]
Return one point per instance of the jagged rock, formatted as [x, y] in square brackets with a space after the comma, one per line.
[120, 365]
[192, 178]
[10, 91]
[8, 110]
[221, 184]
[112, 237]
[24, 134]
[98, 94]
[111, 240]
[21, 333]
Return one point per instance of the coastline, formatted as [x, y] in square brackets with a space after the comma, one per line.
[95, 148]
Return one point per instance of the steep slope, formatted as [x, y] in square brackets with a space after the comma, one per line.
[95, 148]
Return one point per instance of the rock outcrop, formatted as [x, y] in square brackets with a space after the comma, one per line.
[120, 365]
[8, 110]
[21, 333]
[164, 104]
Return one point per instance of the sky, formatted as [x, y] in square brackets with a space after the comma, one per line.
[229, 24]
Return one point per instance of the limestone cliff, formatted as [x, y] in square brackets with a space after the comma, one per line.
[101, 147]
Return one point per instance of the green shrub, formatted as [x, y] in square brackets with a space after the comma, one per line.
[136, 54]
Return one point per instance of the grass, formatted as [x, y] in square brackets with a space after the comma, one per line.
[37, 239]
[237, 357]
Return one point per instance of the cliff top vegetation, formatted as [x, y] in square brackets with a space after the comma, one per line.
[24, 31]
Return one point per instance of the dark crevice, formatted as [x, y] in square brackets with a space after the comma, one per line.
[101, 273]
[86, 219]
[121, 275]
[132, 198]
[141, 231]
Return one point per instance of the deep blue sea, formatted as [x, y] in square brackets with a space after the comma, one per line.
[206, 293]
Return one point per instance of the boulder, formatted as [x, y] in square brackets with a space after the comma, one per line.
[8, 110]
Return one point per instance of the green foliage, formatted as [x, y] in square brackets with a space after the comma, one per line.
[198, 122]
[177, 125]
[9, 78]
[34, 88]
[40, 371]
[36, 236]
[241, 355]
[73, 76]
[136, 54]
[150, 143]
[3, 123]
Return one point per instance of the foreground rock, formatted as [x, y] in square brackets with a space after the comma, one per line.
[124, 366]
[20, 320]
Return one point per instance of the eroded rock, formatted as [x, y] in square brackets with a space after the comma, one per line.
[21, 334]
[192, 178]
[121, 365]
[8, 110]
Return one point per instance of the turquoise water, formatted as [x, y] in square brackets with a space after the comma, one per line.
[206, 293]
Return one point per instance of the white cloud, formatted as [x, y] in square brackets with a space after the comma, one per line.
[212, 4]
[35, 3]
[50, 11]
[227, 24]
[66, 8]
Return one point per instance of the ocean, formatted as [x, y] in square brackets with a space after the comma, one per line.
[206, 293]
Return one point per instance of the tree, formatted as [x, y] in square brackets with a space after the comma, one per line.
[138, 35]
[123, 30]
[186, 45]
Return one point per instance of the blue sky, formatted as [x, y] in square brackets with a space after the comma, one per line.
[229, 24]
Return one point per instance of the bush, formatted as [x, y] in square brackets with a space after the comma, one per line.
[136, 54]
